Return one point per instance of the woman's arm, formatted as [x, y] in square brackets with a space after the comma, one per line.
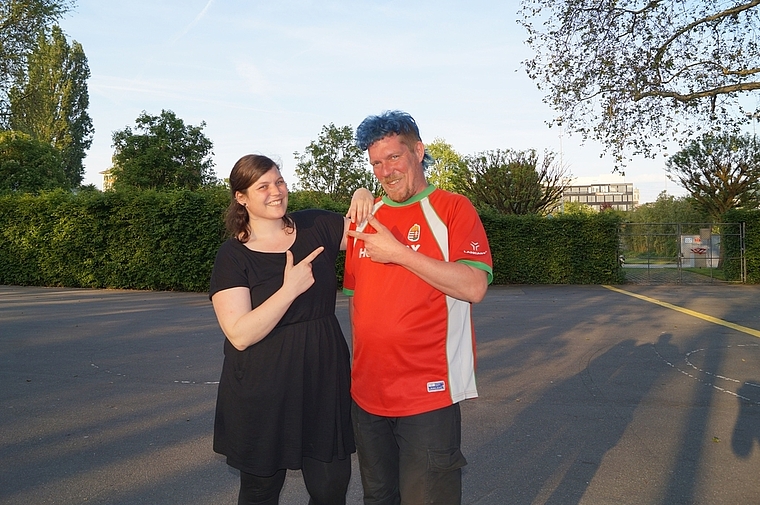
[360, 209]
[244, 326]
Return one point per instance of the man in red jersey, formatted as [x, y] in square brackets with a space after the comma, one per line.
[412, 274]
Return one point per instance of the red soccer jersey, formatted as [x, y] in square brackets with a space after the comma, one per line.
[414, 346]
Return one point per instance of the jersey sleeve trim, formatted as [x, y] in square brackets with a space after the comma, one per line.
[480, 266]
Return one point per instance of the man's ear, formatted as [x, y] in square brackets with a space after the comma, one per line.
[419, 150]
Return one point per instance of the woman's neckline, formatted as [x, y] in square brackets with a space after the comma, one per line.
[273, 250]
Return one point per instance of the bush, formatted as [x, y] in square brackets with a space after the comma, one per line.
[132, 240]
[28, 165]
[732, 245]
[167, 240]
[576, 249]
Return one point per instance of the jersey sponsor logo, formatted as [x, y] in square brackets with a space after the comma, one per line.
[414, 233]
[475, 249]
[436, 386]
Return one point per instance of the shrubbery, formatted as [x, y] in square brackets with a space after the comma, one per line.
[732, 245]
[578, 249]
[135, 240]
[167, 240]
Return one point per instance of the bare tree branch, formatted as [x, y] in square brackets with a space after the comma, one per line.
[720, 90]
[637, 77]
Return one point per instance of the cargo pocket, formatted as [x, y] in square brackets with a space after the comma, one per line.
[446, 461]
[444, 483]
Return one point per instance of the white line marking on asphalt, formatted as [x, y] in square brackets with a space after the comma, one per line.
[705, 372]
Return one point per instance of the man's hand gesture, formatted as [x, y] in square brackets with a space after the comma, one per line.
[381, 246]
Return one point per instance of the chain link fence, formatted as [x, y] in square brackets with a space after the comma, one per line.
[680, 253]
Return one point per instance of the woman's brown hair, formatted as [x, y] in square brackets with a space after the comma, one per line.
[247, 170]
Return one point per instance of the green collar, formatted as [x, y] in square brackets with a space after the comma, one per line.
[416, 198]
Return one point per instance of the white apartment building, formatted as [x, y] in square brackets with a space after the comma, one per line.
[609, 191]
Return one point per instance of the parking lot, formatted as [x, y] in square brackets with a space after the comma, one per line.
[627, 394]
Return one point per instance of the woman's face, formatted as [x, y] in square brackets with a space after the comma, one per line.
[267, 198]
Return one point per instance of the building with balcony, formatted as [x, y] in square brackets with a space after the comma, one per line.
[602, 192]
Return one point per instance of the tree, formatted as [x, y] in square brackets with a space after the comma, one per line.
[668, 209]
[577, 209]
[20, 23]
[636, 75]
[334, 165]
[654, 227]
[28, 165]
[165, 154]
[720, 172]
[447, 163]
[50, 104]
[512, 182]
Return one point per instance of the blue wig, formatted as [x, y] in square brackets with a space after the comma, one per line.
[392, 122]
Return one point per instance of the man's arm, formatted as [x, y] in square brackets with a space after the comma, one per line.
[454, 279]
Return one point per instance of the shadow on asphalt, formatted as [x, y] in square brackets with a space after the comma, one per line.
[587, 396]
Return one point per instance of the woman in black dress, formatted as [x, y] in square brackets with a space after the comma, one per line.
[284, 398]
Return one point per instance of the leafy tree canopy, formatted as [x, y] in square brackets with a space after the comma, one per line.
[50, 103]
[446, 163]
[720, 172]
[577, 209]
[28, 165]
[512, 182]
[20, 23]
[162, 153]
[668, 209]
[653, 227]
[636, 74]
[334, 165]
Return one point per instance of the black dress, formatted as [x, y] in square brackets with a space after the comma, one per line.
[288, 395]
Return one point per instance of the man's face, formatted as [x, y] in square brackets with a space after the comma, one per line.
[398, 168]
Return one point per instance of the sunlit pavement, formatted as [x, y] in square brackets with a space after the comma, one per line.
[587, 396]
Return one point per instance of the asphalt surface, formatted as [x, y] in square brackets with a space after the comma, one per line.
[588, 395]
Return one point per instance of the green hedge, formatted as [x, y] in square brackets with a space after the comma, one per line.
[574, 249]
[141, 240]
[167, 240]
[732, 252]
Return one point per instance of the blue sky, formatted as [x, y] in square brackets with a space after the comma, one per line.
[266, 76]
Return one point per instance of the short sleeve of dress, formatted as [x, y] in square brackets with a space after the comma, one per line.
[229, 269]
[328, 227]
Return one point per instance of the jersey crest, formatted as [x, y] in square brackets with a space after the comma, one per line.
[414, 233]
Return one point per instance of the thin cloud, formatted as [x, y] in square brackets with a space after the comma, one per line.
[149, 61]
[195, 21]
